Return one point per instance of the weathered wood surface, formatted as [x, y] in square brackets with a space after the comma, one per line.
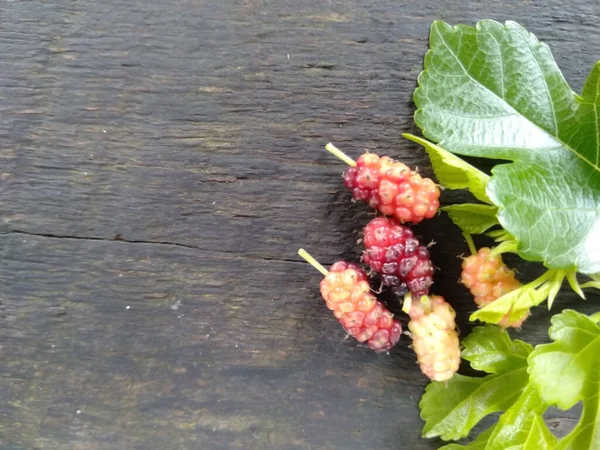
[161, 162]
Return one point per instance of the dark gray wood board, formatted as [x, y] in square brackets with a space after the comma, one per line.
[160, 164]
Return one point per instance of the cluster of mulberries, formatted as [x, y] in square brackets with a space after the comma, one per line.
[404, 265]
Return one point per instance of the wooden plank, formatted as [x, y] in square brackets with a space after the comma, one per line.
[167, 157]
[150, 346]
[139, 120]
[108, 344]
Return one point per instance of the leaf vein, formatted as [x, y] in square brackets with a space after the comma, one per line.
[501, 65]
[550, 100]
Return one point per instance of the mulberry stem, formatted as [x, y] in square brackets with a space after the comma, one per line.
[312, 261]
[340, 154]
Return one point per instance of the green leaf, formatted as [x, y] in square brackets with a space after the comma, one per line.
[519, 301]
[540, 437]
[567, 371]
[472, 217]
[451, 409]
[477, 444]
[495, 91]
[522, 425]
[491, 350]
[453, 172]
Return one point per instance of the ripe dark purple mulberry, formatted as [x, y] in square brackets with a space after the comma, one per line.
[392, 250]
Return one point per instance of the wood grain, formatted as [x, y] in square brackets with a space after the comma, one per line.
[160, 164]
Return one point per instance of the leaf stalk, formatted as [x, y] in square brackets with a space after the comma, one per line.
[470, 243]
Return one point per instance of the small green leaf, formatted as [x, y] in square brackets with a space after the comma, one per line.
[495, 91]
[472, 217]
[491, 350]
[453, 172]
[478, 444]
[518, 302]
[500, 235]
[567, 371]
[451, 409]
[522, 426]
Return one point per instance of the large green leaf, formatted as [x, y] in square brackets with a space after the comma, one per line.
[452, 408]
[568, 371]
[522, 426]
[494, 91]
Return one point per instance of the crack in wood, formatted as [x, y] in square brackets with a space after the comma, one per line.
[120, 238]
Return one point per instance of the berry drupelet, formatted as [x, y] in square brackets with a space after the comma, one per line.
[347, 292]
